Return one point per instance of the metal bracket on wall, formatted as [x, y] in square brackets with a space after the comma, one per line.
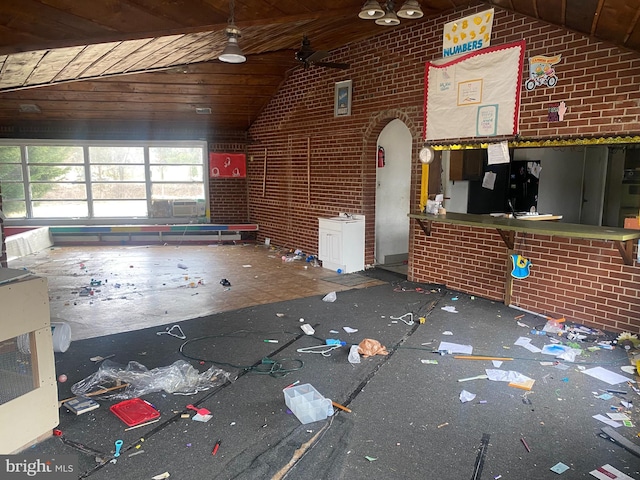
[625, 247]
[508, 237]
[425, 228]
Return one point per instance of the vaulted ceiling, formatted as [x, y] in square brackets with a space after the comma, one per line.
[156, 60]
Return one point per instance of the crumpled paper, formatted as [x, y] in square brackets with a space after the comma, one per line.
[369, 347]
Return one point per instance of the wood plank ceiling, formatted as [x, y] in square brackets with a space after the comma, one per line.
[156, 60]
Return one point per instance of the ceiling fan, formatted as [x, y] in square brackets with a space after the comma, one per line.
[307, 56]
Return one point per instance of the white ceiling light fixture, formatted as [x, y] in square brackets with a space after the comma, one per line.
[232, 53]
[371, 10]
[385, 13]
[410, 9]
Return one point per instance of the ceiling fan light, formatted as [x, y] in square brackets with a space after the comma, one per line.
[232, 52]
[371, 10]
[390, 19]
[410, 9]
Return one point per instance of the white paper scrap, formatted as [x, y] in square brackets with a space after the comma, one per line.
[618, 416]
[447, 332]
[455, 348]
[449, 309]
[520, 324]
[607, 472]
[350, 330]
[497, 363]
[605, 375]
[466, 396]
[506, 376]
[608, 421]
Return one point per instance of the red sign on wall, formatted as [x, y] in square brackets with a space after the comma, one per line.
[227, 165]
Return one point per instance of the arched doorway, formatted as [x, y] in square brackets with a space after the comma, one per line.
[393, 190]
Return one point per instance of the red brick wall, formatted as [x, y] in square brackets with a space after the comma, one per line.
[228, 196]
[584, 281]
[318, 165]
[3, 245]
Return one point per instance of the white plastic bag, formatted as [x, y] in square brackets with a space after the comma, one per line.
[330, 297]
[354, 355]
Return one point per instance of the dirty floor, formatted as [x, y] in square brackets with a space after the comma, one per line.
[406, 419]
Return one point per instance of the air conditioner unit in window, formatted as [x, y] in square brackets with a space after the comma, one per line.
[185, 208]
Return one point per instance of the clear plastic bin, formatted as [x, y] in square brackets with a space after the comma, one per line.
[307, 404]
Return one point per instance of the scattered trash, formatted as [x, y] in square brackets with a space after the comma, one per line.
[526, 343]
[449, 309]
[605, 375]
[561, 351]
[216, 447]
[371, 459]
[134, 411]
[118, 445]
[430, 362]
[200, 411]
[138, 452]
[225, 283]
[280, 315]
[608, 421]
[201, 418]
[559, 468]
[466, 396]
[307, 404]
[162, 476]
[175, 331]
[402, 317]
[524, 442]
[354, 356]
[182, 266]
[477, 377]
[307, 329]
[447, 332]
[329, 297]
[62, 378]
[369, 347]
[520, 324]
[350, 330]
[455, 348]
[178, 378]
[324, 350]
[607, 472]
[443, 424]
[99, 358]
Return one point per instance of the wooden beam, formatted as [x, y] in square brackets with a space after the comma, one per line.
[626, 251]
[632, 26]
[596, 17]
[508, 237]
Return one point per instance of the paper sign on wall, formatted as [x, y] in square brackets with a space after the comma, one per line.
[467, 34]
[498, 153]
[227, 165]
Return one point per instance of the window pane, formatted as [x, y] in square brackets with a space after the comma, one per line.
[177, 191]
[51, 154]
[10, 155]
[177, 173]
[14, 209]
[109, 191]
[12, 191]
[116, 154]
[60, 209]
[117, 173]
[58, 191]
[126, 208]
[175, 155]
[11, 172]
[56, 173]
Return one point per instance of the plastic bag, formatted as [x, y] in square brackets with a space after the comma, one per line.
[179, 378]
[354, 356]
[330, 297]
[369, 347]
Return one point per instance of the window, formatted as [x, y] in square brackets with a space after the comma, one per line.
[95, 182]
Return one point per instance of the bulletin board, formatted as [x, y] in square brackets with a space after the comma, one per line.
[227, 165]
[474, 95]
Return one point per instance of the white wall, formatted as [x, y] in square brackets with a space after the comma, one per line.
[455, 193]
[393, 183]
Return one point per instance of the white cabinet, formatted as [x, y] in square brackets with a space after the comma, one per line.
[341, 243]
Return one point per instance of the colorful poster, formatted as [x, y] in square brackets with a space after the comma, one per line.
[227, 165]
[474, 95]
[541, 71]
[467, 34]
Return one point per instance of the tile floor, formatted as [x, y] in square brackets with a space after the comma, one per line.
[143, 286]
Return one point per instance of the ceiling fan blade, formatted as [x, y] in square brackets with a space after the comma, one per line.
[341, 66]
[317, 56]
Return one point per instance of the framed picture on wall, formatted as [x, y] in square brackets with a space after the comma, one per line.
[342, 106]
